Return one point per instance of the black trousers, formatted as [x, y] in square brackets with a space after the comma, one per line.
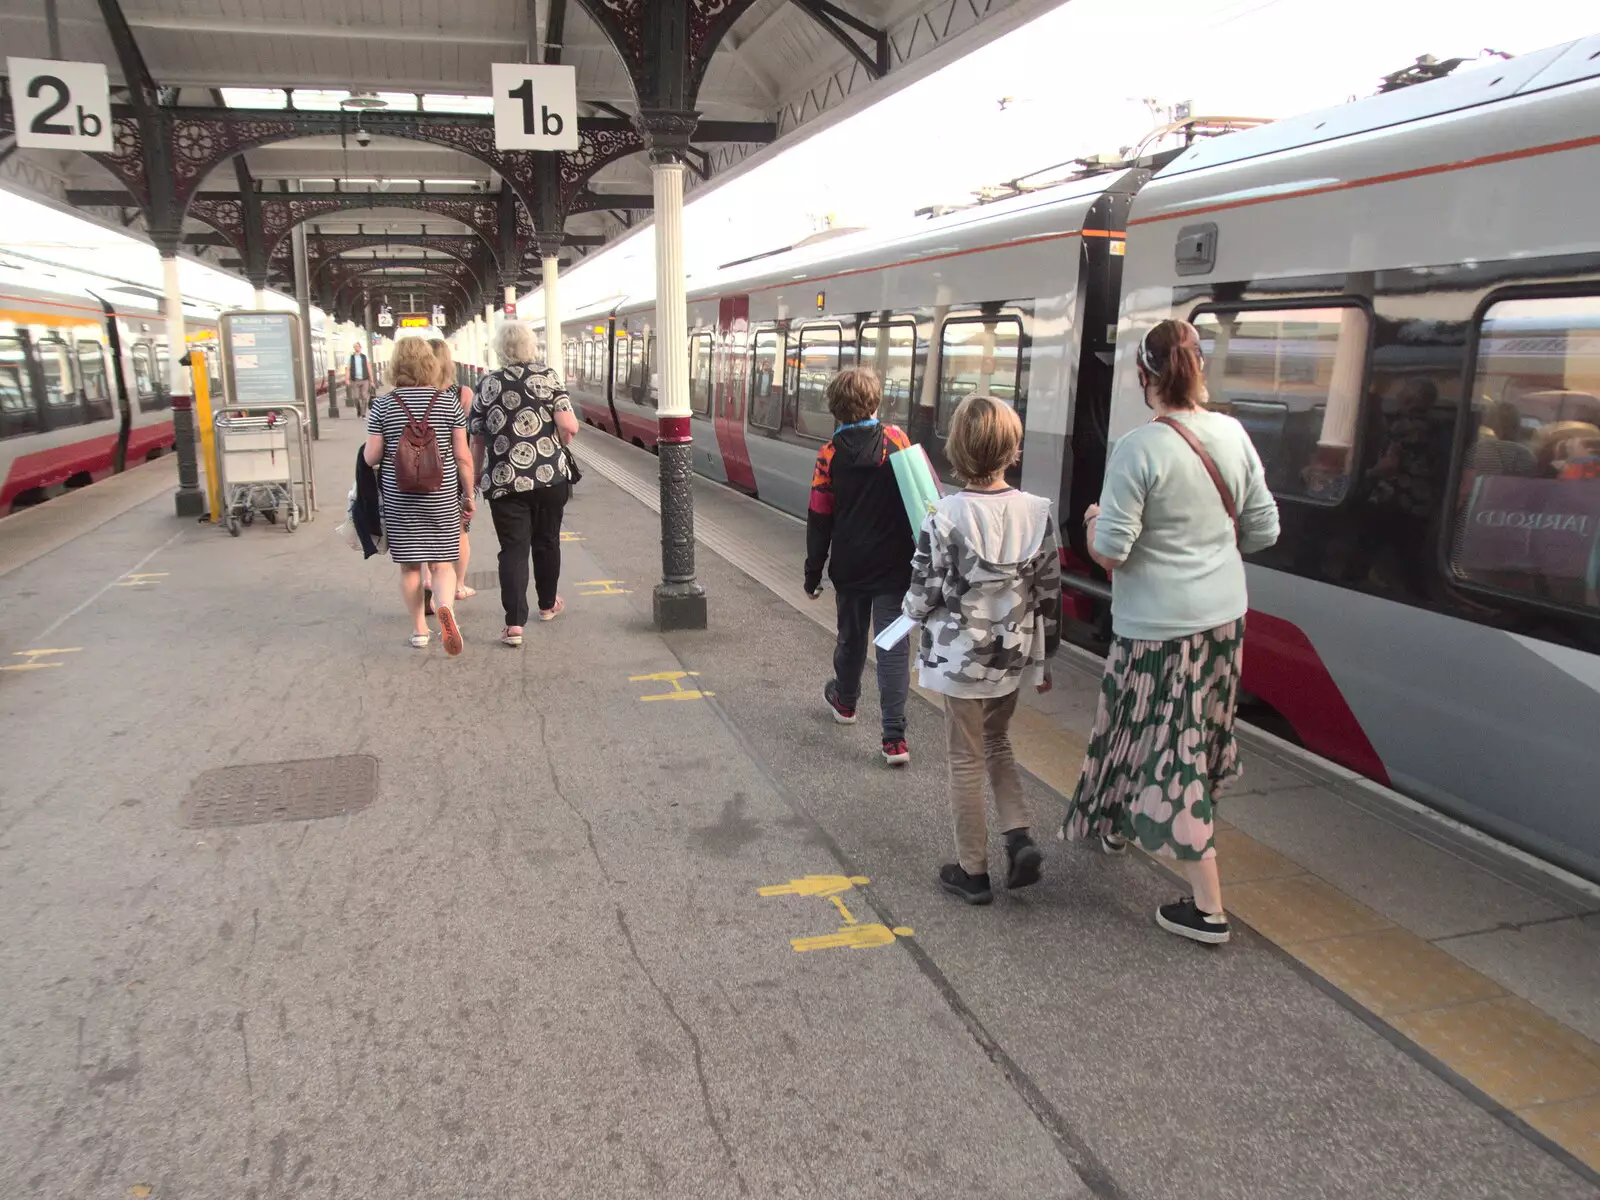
[529, 524]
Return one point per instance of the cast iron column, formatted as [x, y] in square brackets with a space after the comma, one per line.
[190, 499]
[679, 601]
[302, 296]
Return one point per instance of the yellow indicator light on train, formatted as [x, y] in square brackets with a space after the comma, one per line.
[821, 300]
[1118, 249]
[600, 329]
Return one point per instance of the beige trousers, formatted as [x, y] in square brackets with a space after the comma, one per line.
[979, 736]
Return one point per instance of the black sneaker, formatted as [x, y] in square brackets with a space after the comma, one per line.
[1113, 844]
[895, 752]
[842, 713]
[974, 889]
[1024, 862]
[1183, 918]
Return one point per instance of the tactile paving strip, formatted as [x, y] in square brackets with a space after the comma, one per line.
[260, 793]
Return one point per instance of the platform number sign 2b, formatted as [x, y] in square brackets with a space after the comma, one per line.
[61, 105]
[535, 107]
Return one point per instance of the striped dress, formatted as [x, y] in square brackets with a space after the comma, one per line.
[420, 528]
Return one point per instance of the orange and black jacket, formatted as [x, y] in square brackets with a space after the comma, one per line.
[856, 523]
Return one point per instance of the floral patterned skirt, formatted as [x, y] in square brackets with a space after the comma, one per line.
[1162, 743]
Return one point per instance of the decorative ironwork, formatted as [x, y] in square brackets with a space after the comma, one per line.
[597, 148]
[226, 215]
[279, 214]
[622, 21]
[464, 248]
[127, 161]
[709, 22]
[667, 133]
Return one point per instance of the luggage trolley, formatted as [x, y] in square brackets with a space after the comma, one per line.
[256, 453]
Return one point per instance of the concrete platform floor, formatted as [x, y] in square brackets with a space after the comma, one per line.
[540, 963]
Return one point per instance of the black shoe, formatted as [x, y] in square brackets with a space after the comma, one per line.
[1183, 918]
[974, 889]
[1113, 844]
[843, 713]
[1024, 862]
[427, 602]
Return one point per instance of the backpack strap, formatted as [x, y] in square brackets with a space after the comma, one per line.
[1210, 464]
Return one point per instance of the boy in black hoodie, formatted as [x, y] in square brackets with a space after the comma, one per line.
[857, 519]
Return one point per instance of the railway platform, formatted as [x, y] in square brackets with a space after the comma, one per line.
[290, 908]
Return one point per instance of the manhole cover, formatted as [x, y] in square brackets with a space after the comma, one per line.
[286, 791]
[484, 580]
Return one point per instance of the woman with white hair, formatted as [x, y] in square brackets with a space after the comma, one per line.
[520, 423]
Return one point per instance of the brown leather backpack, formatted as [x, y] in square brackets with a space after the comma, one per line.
[418, 469]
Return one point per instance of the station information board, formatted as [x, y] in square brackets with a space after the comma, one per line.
[261, 358]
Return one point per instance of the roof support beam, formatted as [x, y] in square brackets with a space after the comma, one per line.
[835, 20]
[555, 28]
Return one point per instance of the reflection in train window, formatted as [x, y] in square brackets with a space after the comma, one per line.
[978, 355]
[17, 413]
[766, 385]
[700, 374]
[649, 371]
[144, 378]
[60, 383]
[891, 350]
[818, 363]
[1528, 521]
[1293, 377]
[96, 386]
[635, 352]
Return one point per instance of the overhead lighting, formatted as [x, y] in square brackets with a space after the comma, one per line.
[363, 100]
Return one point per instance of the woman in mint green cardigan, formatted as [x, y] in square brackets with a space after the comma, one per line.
[1184, 497]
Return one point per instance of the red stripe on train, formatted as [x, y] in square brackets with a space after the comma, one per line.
[1283, 668]
[92, 456]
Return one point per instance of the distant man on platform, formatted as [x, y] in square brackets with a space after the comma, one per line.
[359, 376]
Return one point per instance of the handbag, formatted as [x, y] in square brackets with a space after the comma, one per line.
[573, 474]
[418, 467]
[1210, 465]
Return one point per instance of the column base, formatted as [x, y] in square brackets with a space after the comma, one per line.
[189, 502]
[679, 606]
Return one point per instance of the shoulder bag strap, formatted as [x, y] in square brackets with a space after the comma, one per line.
[1210, 465]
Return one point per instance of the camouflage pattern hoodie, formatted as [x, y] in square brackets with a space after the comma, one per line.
[986, 585]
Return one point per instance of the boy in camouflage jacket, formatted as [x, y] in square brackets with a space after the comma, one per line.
[986, 585]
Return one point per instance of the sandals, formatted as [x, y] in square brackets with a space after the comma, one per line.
[449, 631]
[465, 593]
[511, 635]
[419, 641]
[551, 613]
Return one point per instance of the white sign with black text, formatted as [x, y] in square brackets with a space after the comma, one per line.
[535, 107]
[61, 105]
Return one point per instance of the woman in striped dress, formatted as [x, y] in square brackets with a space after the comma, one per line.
[463, 397]
[422, 529]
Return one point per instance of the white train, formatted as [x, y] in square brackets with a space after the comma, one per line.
[1400, 298]
[83, 376]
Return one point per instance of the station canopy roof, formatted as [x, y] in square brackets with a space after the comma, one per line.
[780, 66]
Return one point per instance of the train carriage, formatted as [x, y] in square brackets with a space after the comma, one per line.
[1398, 298]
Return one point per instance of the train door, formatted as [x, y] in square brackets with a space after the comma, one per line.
[707, 455]
[733, 319]
[608, 352]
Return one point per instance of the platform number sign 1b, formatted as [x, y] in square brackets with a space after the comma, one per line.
[61, 105]
[535, 107]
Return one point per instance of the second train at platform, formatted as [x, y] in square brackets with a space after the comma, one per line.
[1399, 298]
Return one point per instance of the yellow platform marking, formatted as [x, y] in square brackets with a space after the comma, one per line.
[1510, 1049]
[568, 535]
[34, 655]
[843, 911]
[1300, 909]
[605, 587]
[852, 937]
[814, 885]
[146, 580]
[1573, 1124]
[678, 692]
[1394, 971]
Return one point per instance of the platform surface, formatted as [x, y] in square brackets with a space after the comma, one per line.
[534, 957]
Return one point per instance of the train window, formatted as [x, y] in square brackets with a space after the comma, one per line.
[891, 350]
[144, 378]
[700, 374]
[649, 371]
[978, 355]
[96, 386]
[1294, 378]
[1528, 518]
[820, 349]
[636, 361]
[766, 383]
[17, 414]
[60, 379]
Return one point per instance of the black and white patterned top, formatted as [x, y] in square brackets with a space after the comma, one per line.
[514, 412]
